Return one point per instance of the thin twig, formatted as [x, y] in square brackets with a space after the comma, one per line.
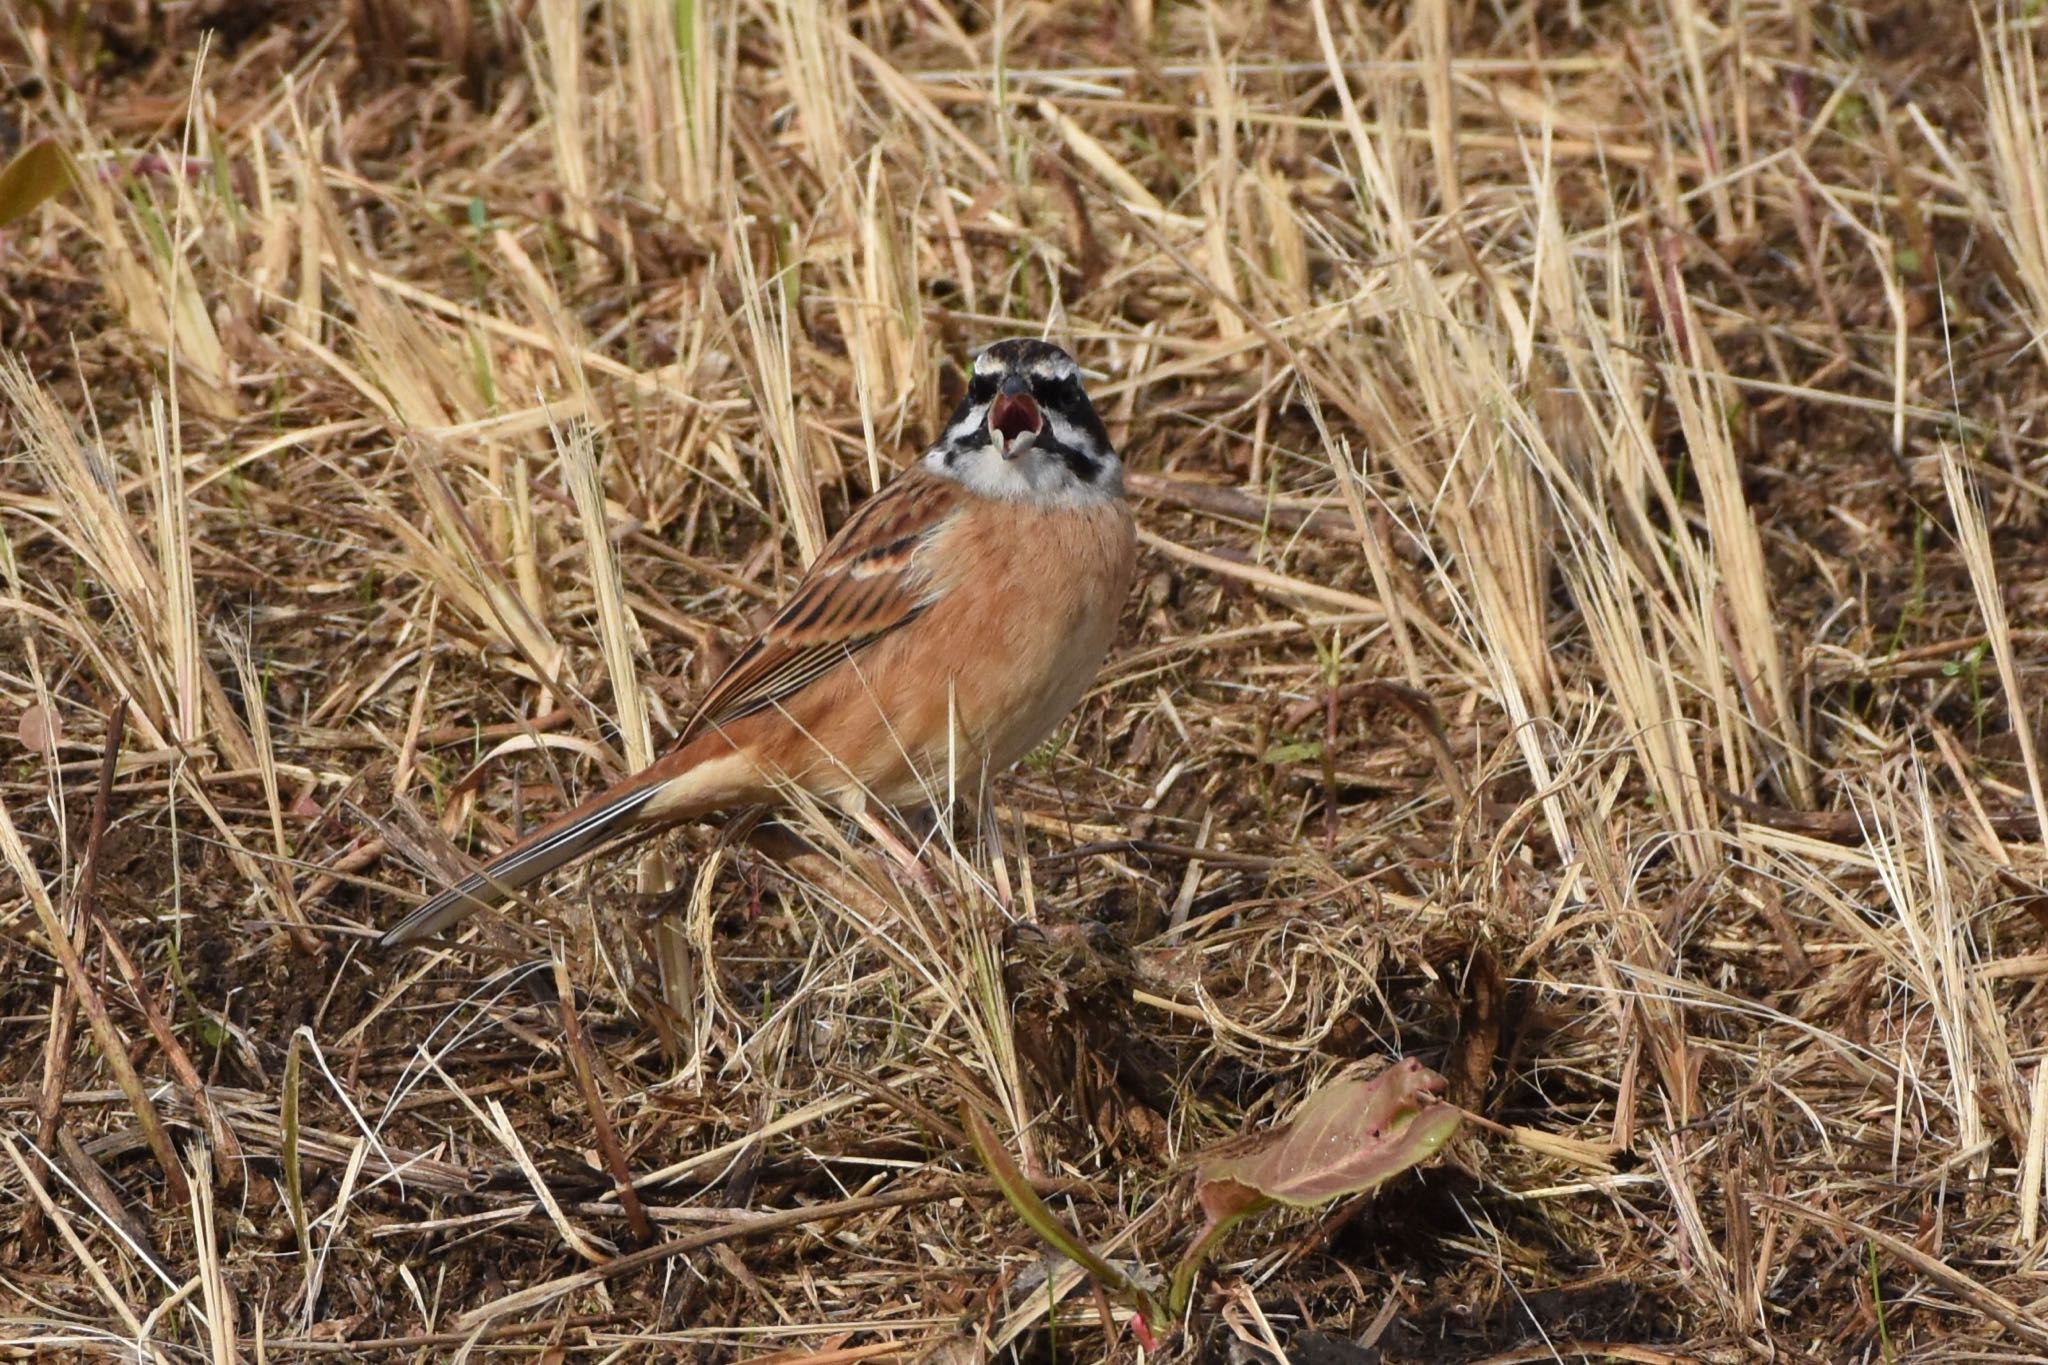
[113, 1046]
[548, 1291]
[600, 1117]
[63, 1007]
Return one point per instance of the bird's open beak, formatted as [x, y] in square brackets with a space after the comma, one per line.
[1014, 421]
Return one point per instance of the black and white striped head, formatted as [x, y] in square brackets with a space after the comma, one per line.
[1026, 431]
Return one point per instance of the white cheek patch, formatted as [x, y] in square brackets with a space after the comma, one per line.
[960, 441]
[975, 419]
[1066, 433]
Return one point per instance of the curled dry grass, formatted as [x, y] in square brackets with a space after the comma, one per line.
[1590, 638]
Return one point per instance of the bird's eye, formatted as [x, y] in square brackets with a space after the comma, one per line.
[1064, 391]
[983, 389]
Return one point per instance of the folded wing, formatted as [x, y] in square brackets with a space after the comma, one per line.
[868, 583]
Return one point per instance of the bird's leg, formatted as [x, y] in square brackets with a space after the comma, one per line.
[743, 831]
[906, 859]
[751, 872]
[990, 828]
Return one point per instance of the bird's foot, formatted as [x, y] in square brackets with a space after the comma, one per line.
[903, 860]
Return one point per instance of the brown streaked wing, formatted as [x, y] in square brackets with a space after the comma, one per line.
[866, 584]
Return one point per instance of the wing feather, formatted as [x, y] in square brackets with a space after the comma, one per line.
[868, 583]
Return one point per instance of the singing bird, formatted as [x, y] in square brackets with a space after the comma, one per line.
[958, 615]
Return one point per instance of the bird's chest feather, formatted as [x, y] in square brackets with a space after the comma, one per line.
[1031, 600]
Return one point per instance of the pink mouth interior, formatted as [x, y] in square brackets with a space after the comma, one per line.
[1012, 416]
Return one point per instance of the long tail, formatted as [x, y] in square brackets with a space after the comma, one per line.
[598, 821]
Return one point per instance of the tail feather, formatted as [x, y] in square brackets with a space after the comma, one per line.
[597, 822]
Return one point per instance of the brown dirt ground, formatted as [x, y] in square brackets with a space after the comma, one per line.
[1774, 1065]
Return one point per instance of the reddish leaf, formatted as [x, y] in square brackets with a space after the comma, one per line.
[40, 171]
[1346, 1139]
[39, 729]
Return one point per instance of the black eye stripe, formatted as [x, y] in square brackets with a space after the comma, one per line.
[1050, 390]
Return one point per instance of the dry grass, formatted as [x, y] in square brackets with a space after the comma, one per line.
[412, 405]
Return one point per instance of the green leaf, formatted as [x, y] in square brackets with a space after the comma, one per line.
[1043, 1221]
[1300, 752]
[40, 171]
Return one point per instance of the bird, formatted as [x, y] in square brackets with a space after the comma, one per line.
[955, 619]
